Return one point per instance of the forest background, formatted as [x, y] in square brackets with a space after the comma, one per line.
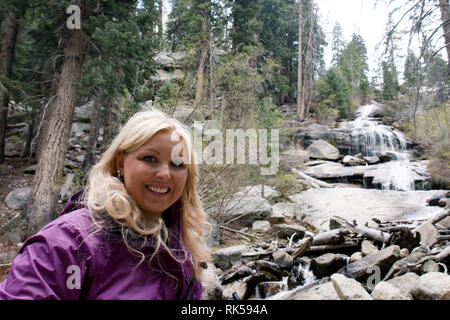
[240, 63]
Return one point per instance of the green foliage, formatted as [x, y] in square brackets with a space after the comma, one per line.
[167, 95]
[390, 81]
[267, 115]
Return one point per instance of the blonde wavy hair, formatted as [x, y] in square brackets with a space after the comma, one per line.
[106, 192]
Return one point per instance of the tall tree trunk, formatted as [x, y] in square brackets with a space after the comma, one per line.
[89, 157]
[308, 63]
[202, 59]
[445, 17]
[112, 121]
[7, 58]
[40, 208]
[300, 106]
[234, 42]
[160, 24]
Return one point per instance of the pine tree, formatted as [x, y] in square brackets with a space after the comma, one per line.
[337, 44]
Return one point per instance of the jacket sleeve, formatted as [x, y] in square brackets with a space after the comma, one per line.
[50, 265]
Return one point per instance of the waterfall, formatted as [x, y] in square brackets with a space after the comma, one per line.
[372, 138]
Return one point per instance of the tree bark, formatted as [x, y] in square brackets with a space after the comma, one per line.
[445, 18]
[234, 42]
[308, 62]
[300, 106]
[89, 157]
[202, 59]
[112, 121]
[7, 58]
[40, 208]
[160, 24]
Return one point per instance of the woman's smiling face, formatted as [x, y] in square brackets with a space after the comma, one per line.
[151, 176]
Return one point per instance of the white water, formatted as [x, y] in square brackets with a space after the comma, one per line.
[372, 138]
[309, 277]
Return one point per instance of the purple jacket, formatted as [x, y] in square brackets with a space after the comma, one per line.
[65, 261]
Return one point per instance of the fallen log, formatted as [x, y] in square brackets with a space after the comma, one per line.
[332, 236]
[308, 178]
[373, 234]
[305, 246]
[439, 217]
[331, 247]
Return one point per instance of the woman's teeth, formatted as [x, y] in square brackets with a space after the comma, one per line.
[158, 190]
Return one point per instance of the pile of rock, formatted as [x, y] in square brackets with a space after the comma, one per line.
[401, 260]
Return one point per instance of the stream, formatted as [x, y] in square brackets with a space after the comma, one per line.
[396, 187]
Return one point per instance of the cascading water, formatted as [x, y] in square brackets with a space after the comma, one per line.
[372, 138]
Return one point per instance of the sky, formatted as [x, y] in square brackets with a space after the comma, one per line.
[354, 16]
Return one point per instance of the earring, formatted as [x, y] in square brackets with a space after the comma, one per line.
[120, 177]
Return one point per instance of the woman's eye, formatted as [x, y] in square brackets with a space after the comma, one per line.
[177, 164]
[149, 158]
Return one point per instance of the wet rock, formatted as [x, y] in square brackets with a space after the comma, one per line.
[283, 259]
[257, 278]
[240, 287]
[383, 259]
[428, 234]
[321, 149]
[387, 291]
[267, 289]
[353, 161]
[433, 286]
[287, 230]
[269, 267]
[349, 289]
[211, 288]
[227, 257]
[367, 248]
[17, 198]
[236, 273]
[327, 264]
[406, 282]
[318, 290]
[371, 159]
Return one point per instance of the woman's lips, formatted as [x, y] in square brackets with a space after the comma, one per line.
[158, 191]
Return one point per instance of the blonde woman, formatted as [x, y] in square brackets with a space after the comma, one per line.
[136, 232]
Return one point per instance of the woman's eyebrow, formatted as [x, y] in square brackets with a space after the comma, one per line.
[150, 149]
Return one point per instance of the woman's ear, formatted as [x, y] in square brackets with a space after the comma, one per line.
[119, 162]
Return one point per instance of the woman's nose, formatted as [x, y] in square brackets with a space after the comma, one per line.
[163, 171]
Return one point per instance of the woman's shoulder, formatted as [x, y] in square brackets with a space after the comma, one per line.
[69, 230]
